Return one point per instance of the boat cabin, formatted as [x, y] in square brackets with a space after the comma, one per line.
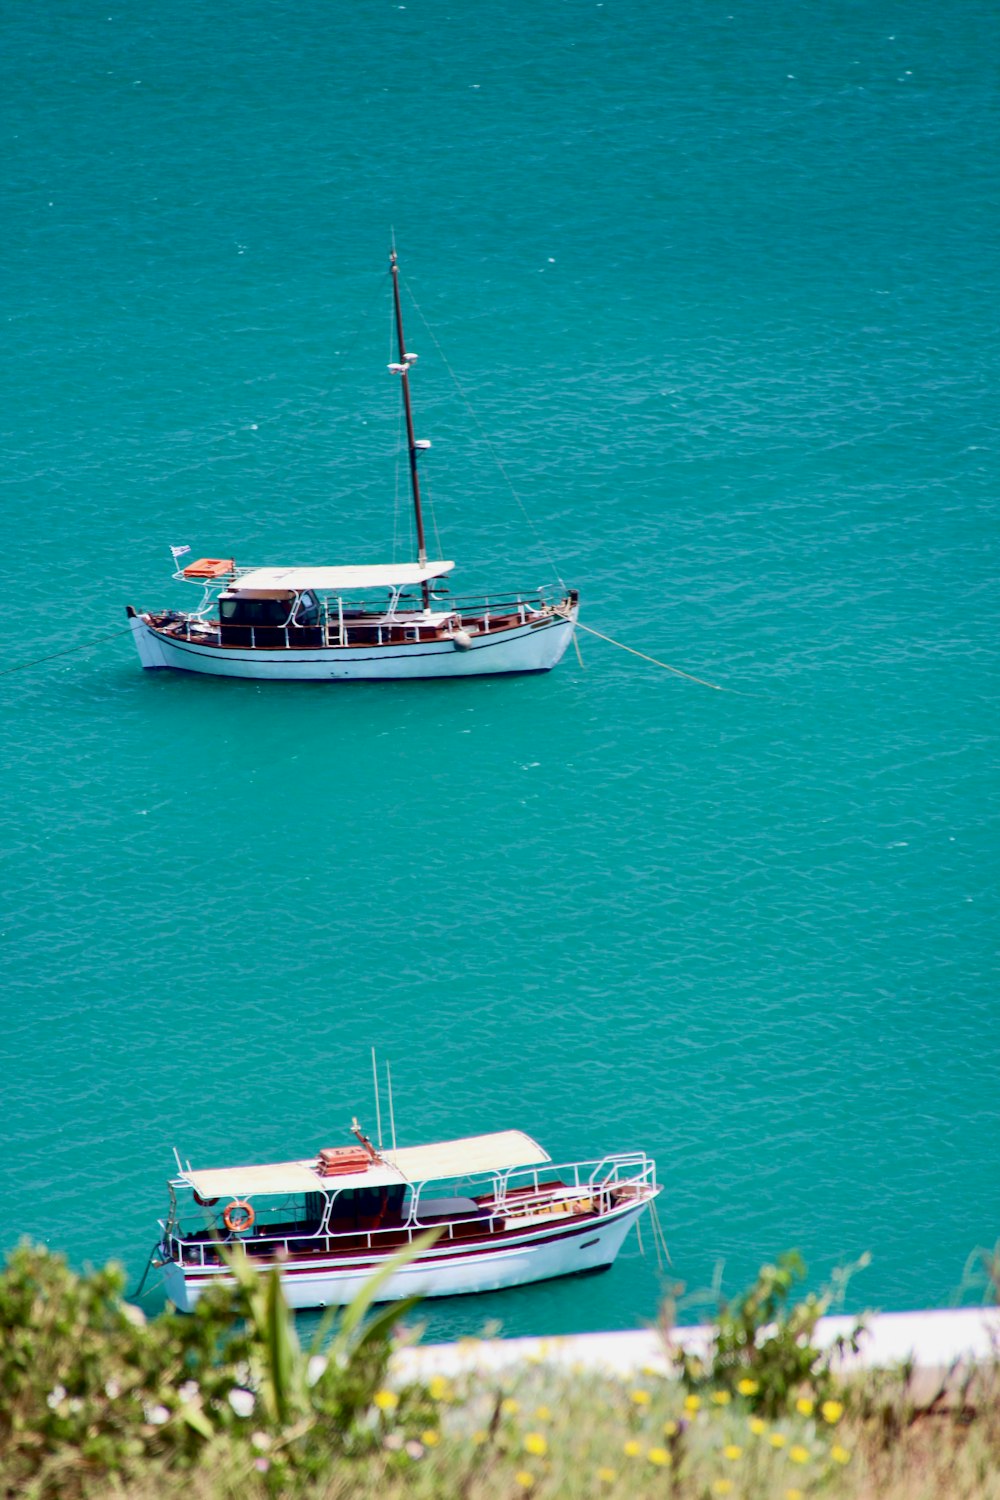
[270, 618]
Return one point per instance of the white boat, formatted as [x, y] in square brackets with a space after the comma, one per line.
[354, 623]
[507, 1215]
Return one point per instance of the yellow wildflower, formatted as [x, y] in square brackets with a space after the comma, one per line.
[524, 1479]
[840, 1455]
[733, 1451]
[536, 1445]
[670, 1429]
[747, 1386]
[607, 1476]
[509, 1406]
[440, 1388]
[632, 1449]
[777, 1440]
[757, 1426]
[794, 1495]
[692, 1403]
[832, 1411]
[543, 1414]
[641, 1398]
[722, 1487]
[659, 1456]
[480, 1436]
[721, 1398]
[386, 1400]
[798, 1454]
[805, 1405]
[430, 1438]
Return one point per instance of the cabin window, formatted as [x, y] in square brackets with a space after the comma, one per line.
[315, 1206]
[255, 612]
[307, 610]
[366, 1208]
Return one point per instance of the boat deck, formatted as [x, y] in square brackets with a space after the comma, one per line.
[487, 1223]
[356, 627]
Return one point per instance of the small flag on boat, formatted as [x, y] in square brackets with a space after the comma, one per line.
[179, 551]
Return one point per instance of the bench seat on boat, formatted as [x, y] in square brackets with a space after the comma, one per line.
[430, 1210]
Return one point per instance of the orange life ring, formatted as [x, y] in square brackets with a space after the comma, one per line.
[245, 1221]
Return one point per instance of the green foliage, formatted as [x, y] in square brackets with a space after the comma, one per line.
[90, 1391]
[763, 1348]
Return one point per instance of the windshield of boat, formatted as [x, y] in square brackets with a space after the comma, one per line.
[307, 611]
[240, 610]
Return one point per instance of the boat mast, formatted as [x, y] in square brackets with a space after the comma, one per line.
[403, 370]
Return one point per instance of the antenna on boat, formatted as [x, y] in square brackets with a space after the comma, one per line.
[402, 369]
[378, 1107]
[177, 1159]
[392, 1117]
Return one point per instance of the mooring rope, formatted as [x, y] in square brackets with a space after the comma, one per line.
[658, 1232]
[134, 1296]
[633, 652]
[715, 686]
[83, 646]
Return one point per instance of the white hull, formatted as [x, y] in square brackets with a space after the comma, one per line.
[440, 1273]
[525, 648]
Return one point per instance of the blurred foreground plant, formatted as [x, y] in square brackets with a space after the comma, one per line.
[90, 1391]
[763, 1349]
[224, 1404]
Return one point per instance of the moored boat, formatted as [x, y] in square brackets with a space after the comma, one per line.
[358, 622]
[507, 1215]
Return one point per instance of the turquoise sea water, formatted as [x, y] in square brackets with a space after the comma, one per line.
[721, 281]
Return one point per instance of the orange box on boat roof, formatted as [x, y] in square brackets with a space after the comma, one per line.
[210, 567]
[337, 1161]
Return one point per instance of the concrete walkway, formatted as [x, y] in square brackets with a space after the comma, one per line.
[935, 1340]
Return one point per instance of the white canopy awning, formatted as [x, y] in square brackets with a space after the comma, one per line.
[284, 1177]
[499, 1152]
[340, 580]
[474, 1153]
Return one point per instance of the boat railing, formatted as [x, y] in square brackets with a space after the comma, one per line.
[202, 1252]
[507, 602]
[579, 1183]
[571, 1187]
[349, 616]
[338, 618]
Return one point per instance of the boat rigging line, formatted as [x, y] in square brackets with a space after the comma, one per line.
[378, 1103]
[378, 1106]
[485, 436]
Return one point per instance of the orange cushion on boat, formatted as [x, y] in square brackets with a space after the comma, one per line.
[337, 1161]
[209, 567]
